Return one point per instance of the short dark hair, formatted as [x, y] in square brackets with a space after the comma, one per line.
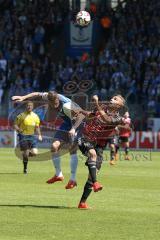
[52, 96]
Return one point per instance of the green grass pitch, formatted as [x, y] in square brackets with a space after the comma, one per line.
[127, 208]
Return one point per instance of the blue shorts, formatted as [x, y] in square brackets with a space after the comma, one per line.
[27, 142]
[62, 133]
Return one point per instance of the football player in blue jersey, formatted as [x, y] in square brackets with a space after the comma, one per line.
[69, 112]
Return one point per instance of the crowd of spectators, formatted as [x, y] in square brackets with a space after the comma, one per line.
[129, 63]
[27, 33]
[131, 60]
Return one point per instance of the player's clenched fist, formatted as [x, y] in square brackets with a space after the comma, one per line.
[95, 98]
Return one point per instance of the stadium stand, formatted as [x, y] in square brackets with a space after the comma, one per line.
[128, 61]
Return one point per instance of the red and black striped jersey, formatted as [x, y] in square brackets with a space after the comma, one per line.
[96, 130]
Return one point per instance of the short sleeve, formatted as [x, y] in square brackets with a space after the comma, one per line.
[18, 119]
[69, 108]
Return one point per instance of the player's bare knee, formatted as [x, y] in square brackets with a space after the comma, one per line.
[112, 147]
[93, 154]
[26, 153]
[127, 144]
[55, 146]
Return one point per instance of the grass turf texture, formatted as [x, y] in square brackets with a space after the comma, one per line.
[127, 208]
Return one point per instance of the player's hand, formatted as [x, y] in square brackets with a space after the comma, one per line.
[117, 130]
[95, 98]
[17, 98]
[20, 131]
[72, 132]
[85, 113]
[40, 138]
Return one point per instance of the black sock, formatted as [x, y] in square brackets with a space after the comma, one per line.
[87, 191]
[92, 170]
[99, 161]
[25, 162]
[112, 154]
[126, 150]
[117, 148]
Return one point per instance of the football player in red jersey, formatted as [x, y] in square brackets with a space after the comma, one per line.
[98, 127]
[124, 134]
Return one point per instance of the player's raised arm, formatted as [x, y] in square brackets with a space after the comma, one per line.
[25, 97]
[99, 108]
[104, 116]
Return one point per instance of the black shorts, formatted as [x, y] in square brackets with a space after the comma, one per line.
[85, 146]
[27, 142]
[110, 141]
[123, 139]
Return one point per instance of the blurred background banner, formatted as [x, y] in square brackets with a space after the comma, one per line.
[138, 140]
[6, 139]
[81, 37]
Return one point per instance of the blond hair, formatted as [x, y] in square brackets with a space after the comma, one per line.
[122, 98]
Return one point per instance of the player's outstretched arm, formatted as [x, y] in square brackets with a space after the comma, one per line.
[79, 119]
[25, 97]
[85, 113]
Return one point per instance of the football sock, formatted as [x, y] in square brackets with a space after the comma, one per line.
[112, 153]
[126, 150]
[92, 170]
[25, 162]
[73, 166]
[117, 148]
[87, 191]
[57, 164]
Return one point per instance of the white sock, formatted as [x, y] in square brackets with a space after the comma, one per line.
[73, 166]
[57, 164]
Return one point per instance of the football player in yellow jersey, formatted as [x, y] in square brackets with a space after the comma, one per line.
[26, 124]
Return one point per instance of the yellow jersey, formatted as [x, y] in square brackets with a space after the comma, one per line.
[27, 122]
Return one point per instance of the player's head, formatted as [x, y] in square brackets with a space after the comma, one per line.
[29, 106]
[118, 100]
[53, 99]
